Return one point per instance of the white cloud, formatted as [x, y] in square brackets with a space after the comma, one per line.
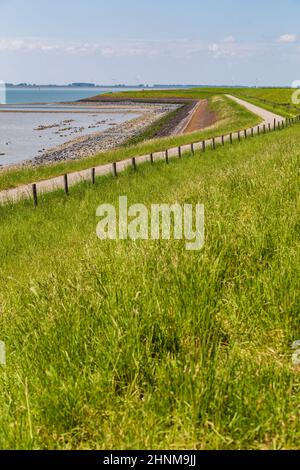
[228, 47]
[229, 39]
[114, 48]
[288, 38]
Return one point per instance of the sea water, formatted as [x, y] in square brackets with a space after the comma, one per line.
[52, 94]
[27, 131]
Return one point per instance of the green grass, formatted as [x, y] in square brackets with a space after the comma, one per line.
[276, 100]
[125, 345]
[152, 131]
[231, 117]
[189, 93]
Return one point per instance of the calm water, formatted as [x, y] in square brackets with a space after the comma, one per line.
[51, 95]
[24, 135]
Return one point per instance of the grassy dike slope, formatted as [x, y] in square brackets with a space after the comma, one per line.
[145, 345]
[231, 117]
[276, 100]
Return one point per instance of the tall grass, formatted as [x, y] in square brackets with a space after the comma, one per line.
[143, 344]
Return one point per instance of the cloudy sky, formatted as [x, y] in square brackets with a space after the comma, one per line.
[157, 41]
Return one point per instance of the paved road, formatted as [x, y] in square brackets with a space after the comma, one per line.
[25, 191]
[266, 116]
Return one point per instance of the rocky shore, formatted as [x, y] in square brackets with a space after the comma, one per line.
[106, 140]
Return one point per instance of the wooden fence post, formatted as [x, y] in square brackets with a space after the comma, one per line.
[34, 193]
[192, 149]
[264, 128]
[151, 158]
[179, 152]
[245, 133]
[223, 140]
[252, 132]
[258, 130]
[93, 175]
[230, 137]
[167, 156]
[239, 136]
[66, 184]
[269, 127]
[213, 143]
[203, 146]
[274, 124]
[114, 169]
[133, 163]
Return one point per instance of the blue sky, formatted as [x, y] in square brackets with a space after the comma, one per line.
[157, 41]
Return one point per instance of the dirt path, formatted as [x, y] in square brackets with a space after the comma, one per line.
[201, 117]
[25, 191]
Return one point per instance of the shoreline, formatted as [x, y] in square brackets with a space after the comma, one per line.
[97, 142]
[89, 145]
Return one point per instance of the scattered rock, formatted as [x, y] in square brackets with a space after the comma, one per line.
[114, 136]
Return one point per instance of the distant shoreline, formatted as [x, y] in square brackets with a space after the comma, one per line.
[130, 87]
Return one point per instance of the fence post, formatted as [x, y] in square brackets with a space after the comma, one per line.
[114, 169]
[230, 137]
[133, 162]
[66, 184]
[274, 124]
[93, 175]
[269, 127]
[192, 149]
[167, 156]
[252, 132]
[245, 132]
[151, 158]
[35, 197]
[223, 140]
[203, 146]
[179, 152]
[264, 128]
[258, 130]
[239, 136]
[213, 144]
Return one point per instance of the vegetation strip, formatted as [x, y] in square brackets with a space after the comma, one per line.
[14, 195]
[121, 344]
[231, 117]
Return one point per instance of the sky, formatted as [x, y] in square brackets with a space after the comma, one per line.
[216, 42]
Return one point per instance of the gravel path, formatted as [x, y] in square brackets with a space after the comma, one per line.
[267, 116]
[25, 191]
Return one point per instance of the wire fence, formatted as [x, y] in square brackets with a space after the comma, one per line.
[70, 179]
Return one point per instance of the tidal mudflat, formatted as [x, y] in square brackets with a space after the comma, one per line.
[35, 134]
[28, 131]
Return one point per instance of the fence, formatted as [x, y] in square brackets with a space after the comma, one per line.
[116, 167]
